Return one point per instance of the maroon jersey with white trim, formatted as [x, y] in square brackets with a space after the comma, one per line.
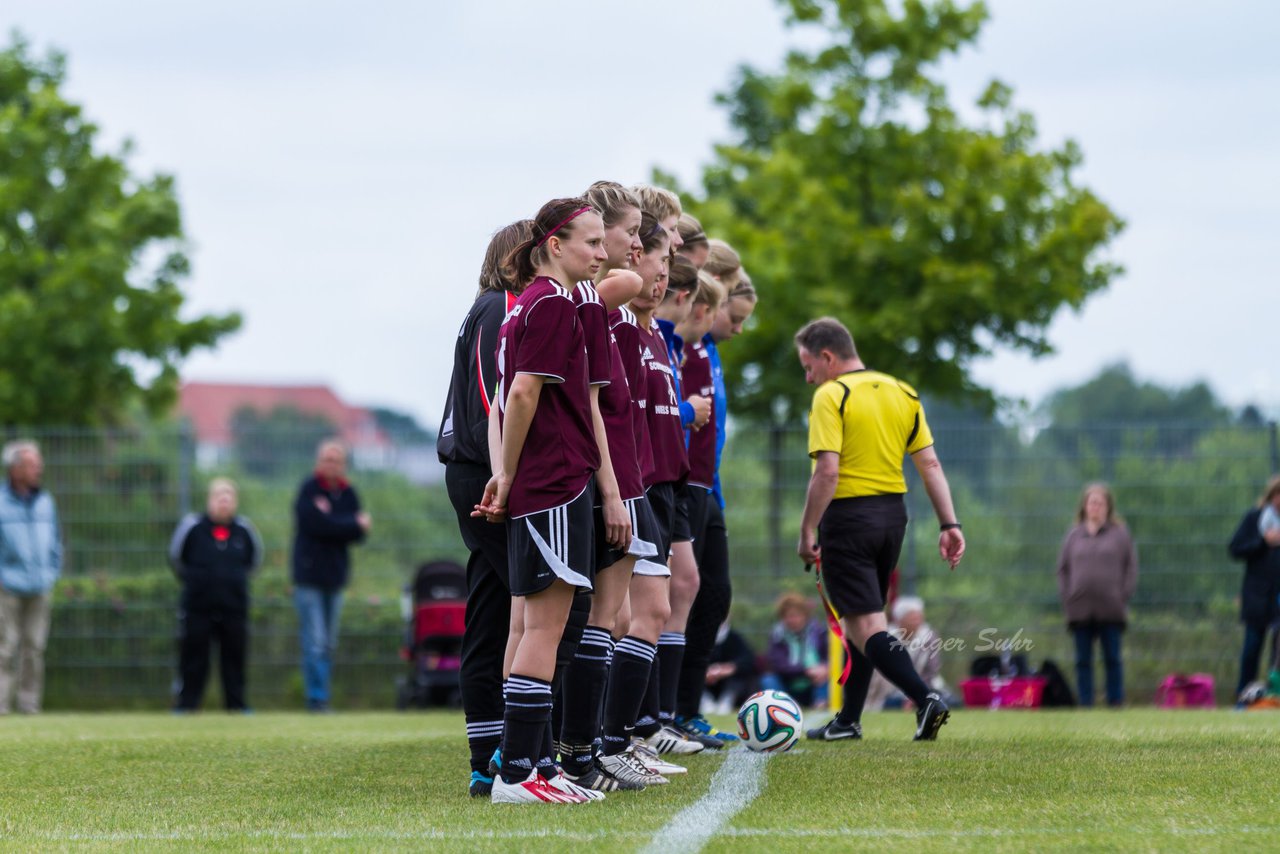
[619, 413]
[626, 334]
[542, 335]
[594, 318]
[695, 378]
[662, 410]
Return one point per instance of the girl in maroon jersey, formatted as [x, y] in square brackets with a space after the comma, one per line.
[546, 459]
[668, 464]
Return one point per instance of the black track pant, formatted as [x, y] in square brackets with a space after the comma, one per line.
[199, 629]
[710, 608]
[488, 613]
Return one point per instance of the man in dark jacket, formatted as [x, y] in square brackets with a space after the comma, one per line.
[213, 555]
[1258, 605]
[329, 519]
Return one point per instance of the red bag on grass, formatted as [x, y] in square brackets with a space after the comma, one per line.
[1186, 691]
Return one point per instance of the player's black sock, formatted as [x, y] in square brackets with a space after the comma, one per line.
[569, 640]
[583, 688]
[647, 723]
[527, 720]
[855, 688]
[628, 681]
[546, 763]
[671, 654]
[891, 658]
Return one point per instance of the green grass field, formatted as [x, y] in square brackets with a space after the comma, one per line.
[1010, 781]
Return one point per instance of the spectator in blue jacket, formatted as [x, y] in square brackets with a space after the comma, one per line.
[797, 653]
[329, 519]
[30, 563]
[213, 554]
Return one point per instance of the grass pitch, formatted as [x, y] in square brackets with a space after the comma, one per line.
[1005, 781]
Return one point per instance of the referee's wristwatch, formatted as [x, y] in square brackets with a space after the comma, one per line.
[950, 525]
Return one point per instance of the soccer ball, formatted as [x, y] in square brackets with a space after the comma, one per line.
[769, 722]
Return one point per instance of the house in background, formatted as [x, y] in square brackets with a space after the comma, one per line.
[211, 409]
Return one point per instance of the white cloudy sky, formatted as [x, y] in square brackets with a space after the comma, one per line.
[341, 169]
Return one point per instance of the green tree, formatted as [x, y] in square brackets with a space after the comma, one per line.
[90, 260]
[853, 188]
[1114, 411]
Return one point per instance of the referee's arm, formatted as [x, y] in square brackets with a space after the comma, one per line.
[822, 488]
[951, 539]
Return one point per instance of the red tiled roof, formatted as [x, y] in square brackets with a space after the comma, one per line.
[210, 407]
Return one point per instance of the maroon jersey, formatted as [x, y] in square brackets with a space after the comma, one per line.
[594, 318]
[662, 411]
[542, 335]
[626, 334]
[695, 378]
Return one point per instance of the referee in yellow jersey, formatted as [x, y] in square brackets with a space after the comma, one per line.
[861, 426]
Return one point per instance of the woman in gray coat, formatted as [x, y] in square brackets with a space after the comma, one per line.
[1097, 574]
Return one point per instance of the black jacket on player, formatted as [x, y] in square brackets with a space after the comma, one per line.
[464, 427]
[325, 515]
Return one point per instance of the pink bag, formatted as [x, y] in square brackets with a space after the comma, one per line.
[1183, 691]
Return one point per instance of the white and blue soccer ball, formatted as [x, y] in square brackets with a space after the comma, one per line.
[770, 722]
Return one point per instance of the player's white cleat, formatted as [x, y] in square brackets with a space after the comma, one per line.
[561, 783]
[655, 763]
[532, 790]
[671, 740]
[630, 767]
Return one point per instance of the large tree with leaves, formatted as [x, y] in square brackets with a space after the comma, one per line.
[853, 188]
[90, 261]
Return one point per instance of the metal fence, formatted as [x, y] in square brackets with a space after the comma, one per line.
[1181, 488]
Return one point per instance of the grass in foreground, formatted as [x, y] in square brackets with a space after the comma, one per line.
[1139, 779]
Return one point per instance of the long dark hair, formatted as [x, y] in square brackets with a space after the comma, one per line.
[500, 245]
[555, 217]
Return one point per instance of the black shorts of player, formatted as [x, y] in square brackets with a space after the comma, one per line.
[861, 539]
[553, 544]
[662, 498]
[696, 498]
[681, 531]
[644, 538]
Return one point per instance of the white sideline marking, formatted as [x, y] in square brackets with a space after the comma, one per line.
[604, 835]
[736, 784]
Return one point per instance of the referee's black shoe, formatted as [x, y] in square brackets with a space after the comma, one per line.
[833, 730]
[930, 717]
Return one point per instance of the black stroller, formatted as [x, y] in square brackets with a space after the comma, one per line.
[434, 608]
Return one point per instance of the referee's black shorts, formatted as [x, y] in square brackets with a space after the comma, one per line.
[861, 539]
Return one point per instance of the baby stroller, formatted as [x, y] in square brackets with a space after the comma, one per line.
[434, 608]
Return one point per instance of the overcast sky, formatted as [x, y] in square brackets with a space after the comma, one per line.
[340, 171]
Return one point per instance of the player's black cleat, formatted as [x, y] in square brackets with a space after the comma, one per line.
[930, 717]
[480, 786]
[833, 730]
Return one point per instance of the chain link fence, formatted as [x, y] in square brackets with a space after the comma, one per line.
[1181, 488]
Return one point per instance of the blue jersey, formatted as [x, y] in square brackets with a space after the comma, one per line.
[721, 409]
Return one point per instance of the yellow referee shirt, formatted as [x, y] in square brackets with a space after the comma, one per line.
[871, 420]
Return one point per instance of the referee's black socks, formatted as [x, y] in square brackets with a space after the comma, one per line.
[855, 688]
[891, 658]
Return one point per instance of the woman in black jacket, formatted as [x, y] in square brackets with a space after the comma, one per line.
[213, 556]
[1260, 551]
